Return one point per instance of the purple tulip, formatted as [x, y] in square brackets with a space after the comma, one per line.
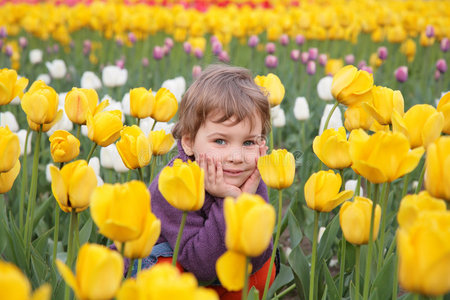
[349, 59]
[323, 59]
[213, 39]
[166, 50]
[284, 40]
[223, 56]
[311, 67]
[445, 44]
[437, 75]
[216, 48]
[295, 54]
[55, 48]
[382, 53]
[270, 48]
[198, 53]
[367, 69]
[401, 73]
[120, 63]
[87, 47]
[158, 53]
[253, 41]
[132, 37]
[304, 57]
[299, 39]
[119, 42]
[145, 62]
[313, 53]
[429, 31]
[168, 42]
[8, 51]
[271, 61]
[187, 47]
[362, 64]
[441, 65]
[23, 42]
[49, 50]
[196, 71]
[3, 32]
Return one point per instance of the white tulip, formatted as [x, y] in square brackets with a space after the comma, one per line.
[350, 185]
[118, 164]
[90, 81]
[62, 100]
[45, 78]
[176, 85]
[146, 125]
[22, 134]
[63, 124]
[94, 163]
[279, 120]
[84, 130]
[106, 159]
[335, 120]
[48, 176]
[8, 119]
[126, 104]
[301, 109]
[57, 68]
[100, 181]
[35, 56]
[321, 231]
[15, 101]
[324, 88]
[113, 76]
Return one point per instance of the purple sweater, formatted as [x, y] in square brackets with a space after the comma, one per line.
[203, 239]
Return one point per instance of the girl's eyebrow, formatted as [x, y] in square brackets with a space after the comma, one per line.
[216, 134]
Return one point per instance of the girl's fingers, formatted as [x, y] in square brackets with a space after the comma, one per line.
[219, 173]
[211, 169]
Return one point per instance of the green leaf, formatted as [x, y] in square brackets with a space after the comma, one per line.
[328, 238]
[332, 289]
[41, 210]
[253, 294]
[283, 278]
[300, 265]
[39, 268]
[353, 291]
[41, 243]
[374, 295]
[383, 280]
[85, 232]
[295, 233]
[16, 250]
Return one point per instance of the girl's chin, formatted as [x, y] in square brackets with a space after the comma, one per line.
[237, 182]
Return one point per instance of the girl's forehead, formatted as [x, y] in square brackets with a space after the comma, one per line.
[251, 124]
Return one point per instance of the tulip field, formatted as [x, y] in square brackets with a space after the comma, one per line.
[357, 166]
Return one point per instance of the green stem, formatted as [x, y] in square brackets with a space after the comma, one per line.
[78, 131]
[91, 152]
[24, 180]
[285, 291]
[77, 234]
[422, 173]
[180, 232]
[358, 186]
[32, 196]
[245, 289]
[395, 281]
[405, 185]
[139, 265]
[130, 268]
[341, 173]
[152, 169]
[70, 249]
[141, 176]
[357, 264]
[314, 255]
[384, 202]
[138, 121]
[369, 250]
[56, 232]
[329, 115]
[416, 297]
[342, 267]
[154, 124]
[275, 243]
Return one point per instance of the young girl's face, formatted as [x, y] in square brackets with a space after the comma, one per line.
[236, 146]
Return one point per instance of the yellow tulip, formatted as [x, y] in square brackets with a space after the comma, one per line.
[134, 147]
[10, 86]
[73, 185]
[165, 107]
[250, 222]
[421, 124]
[396, 34]
[413, 205]
[333, 66]
[272, 87]
[40, 103]
[230, 268]
[182, 185]
[277, 169]
[104, 127]
[384, 102]
[426, 41]
[160, 142]
[383, 156]
[332, 148]
[423, 249]
[142, 247]
[444, 107]
[9, 149]
[322, 191]
[78, 102]
[47, 126]
[375, 61]
[354, 218]
[64, 146]
[141, 102]
[437, 177]
[351, 86]
[99, 272]
[15, 285]
[357, 117]
[409, 49]
[7, 178]
[120, 211]
[164, 281]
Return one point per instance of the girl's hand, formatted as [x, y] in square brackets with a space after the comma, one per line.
[214, 181]
[251, 184]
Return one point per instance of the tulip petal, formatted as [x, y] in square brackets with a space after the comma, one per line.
[399, 125]
[82, 183]
[371, 110]
[352, 223]
[59, 188]
[230, 268]
[143, 150]
[372, 173]
[253, 239]
[232, 222]
[342, 78]
[44, 292]
[129, 290]
[432, 128]
[409, 162]
[337, 200]
[68, 276]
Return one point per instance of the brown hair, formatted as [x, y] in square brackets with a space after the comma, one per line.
[228, 90]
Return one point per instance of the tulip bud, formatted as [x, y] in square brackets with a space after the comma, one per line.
[198, 53]
[349, 59]
[437, 182]
[299, 39]
[158, 53]
[7, 119]
[166, 106]
[351, 186]
[401, 73]
[142, 102]
[284, 40]
[57, 68]
[277, 169]
[134, 147]
[272, 87]
[196, 71]
[444, 107]
[3, 32]
[145, 62]
[429, 31]
[368, 69]
[160, 142]
[35, 56]
[323, 59]
[351, 86]
[335, 119]
[7, 178]
[168, 42]
[187, 47]
[271, 61]
[441, 65]
[78, 102]
[23, 42]
[304, 57]
[253, 41]
[40, 103]
[11, 86]
[9, 51]
[104, 127]
[295, 54]
[311, 67]
[445, 44]
[270, 48]
[90, 81]
[382, 53]
[132, 37]
[301, 109]
[64, 146]
[216, 48]
[333, 149]
[223, 56]
[278, 117]
[324, 88]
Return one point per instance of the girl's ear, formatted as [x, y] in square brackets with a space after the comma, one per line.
[187, 143]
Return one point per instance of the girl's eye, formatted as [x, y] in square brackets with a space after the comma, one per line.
[249, 143]
[219, 142]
